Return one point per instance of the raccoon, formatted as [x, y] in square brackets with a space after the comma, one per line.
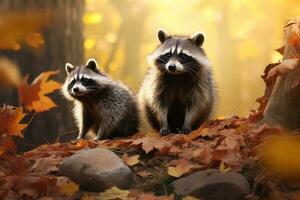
[178, 92]
[103, 106]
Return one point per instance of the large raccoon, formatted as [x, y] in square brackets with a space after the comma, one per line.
[106, 107]
[178, 92]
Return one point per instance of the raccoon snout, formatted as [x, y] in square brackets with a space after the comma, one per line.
[76, 90]
[172, 67]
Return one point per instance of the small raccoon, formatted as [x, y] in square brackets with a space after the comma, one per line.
[106, 107]
[178, 92]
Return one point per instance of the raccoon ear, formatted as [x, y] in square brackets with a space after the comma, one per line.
[198, 38]
[69, 67]
[162, 35]
[92, 64]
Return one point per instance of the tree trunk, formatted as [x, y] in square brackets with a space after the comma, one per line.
[283, 107]
[63, 43]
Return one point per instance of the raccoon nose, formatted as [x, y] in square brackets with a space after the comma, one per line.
[172, 67]
[76, 90]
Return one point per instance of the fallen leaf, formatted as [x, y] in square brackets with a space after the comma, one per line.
[180, 167]
[10, 118]
[223, 168]
[143, 174]
[7, 145]
[33, 96]
[131, 160]
[190, 198]
[32, 187]
[285, 66]
[113, 193]
[46, 165]
[69, 189]
[149, 143]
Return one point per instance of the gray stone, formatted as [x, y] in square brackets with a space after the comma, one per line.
[212, 185]
[96, 170]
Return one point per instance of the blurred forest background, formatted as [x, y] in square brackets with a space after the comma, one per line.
[241, 36]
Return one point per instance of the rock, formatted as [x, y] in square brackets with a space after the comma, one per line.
[212, 185]
[96, 170]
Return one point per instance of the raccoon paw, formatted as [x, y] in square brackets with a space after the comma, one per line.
[164, 132]
[184, 131]
[74, 141]
[95, 139]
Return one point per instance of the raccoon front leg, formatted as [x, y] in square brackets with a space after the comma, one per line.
[164, 127]
[109, 122]
[187, 125]
[85, 125]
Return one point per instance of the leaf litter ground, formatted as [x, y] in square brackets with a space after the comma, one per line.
[226, 144]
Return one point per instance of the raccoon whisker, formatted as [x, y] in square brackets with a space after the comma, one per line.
[191, 71]
[163, 61]
[187, 63]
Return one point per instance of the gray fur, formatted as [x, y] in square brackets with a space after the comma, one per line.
[178, 92]
[101, 105]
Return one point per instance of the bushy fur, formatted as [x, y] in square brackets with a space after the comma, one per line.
[178, 92]
[101, 105]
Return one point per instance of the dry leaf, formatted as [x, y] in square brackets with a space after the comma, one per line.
[143, 174]
[190, 198]
[182, 166]
[34, 40]
[223, 168]
[9, 73]
[283, 67]
[113, 193]
[150, 143]
[69, 189]
[17, 27]
[131, 160]
[33, 96]
[10, 118]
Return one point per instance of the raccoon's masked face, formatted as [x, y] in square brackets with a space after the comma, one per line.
[179, 54]
[84, 80]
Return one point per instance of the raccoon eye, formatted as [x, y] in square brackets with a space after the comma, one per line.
[85, 81]
[73, 82]
[183, 55]
[168, 55]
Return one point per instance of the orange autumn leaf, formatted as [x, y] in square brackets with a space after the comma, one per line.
[6, 144]
[10, 118]
[18, 27]
[33, 96]
[131, 160]
[34, 40]
[181, 167]
[69, 189]
[150, 143]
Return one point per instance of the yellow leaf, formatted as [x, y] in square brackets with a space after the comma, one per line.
[190, 198]
[131, 160]
[17, 27]
[69, 189]
[223, 168]
[175, 171]
[34, 40]
[9, 73]
[113, 193]
[86, 197]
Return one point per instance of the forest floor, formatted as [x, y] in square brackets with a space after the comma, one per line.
[231, 144]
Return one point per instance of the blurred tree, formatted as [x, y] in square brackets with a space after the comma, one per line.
[63, 42]
[131, 30]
